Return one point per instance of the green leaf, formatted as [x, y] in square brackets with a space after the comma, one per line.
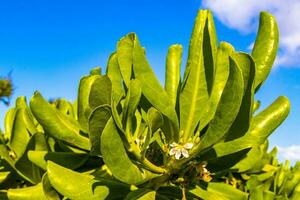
[57, 124]
[117, 160]
[65, 107]
[23, 127]
[114, 74]
[172, 79]
[83, 108]
[194, 94]
[25, 167]
[141, 194]
[242, 122]
[265, 122]
[84, 186]
[66, 159]
[100, 92]
[130, 105]
[151, 88]
[204, 194]
[9, 121]
[48, 190]
[228, 107]
[265, 47]
[220, 80]
[28, 193]
[97, 122]
[227, 191]
[125, 56]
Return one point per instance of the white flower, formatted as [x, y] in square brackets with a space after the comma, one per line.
[178, 150]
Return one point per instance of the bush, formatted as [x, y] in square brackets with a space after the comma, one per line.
[127, 137]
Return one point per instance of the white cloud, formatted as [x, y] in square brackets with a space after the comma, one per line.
[244, 15]
[291, 153]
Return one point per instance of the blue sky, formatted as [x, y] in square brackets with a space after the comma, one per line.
[49, 45]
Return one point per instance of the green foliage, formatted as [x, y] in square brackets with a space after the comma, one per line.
[6, 90]
[128, 137]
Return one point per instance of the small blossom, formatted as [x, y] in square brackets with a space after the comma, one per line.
[180, 150]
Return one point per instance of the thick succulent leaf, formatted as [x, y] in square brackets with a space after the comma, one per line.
[97, 122]
[66, 159]
[228, 107]
[265, 122]
[262, 126]
[174, 192]
[130, 105]
[83, 108]
[114, 74]
[57, 124]
[100, 92]
[256, 106]
[141, 194]
[172, 79]
[84, 186]
[28, 193]
[9, 121]
[242, 122]
[227, 191]
[20, 132]
[204, 194]
[151, 88]
[125, 48]
[117, 160]
[48, 190]
[24, 166]
[198, 77]
[4, 175]
[220, 80]
[5, 154]
[155, 119]
[265, 47]
[210, 46]
[65, 107]
[233, 146]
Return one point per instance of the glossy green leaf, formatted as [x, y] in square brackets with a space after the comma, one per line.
[57, 124]
[97, 122]
[141, 194]
[84, 110]
[242, 122]
[228, 107]
[100, 92]
[48, 190]
[151, 88]
[24, 166]
[117, 160]
[265, 47]
[9, 121]
[125, 48]
[172, 79]
[220, 80]
[227, 191]
[28, 193]
[194, 94]
[65, 159]
[265, 122]
[84, 186]
[114, 74]
[23, 127]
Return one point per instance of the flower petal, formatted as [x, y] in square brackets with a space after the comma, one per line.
[178, 154]
[188, 145]
[174, 144]
[173, 151]
[185, 153]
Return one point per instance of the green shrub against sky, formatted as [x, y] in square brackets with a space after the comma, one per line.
[128, 137]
